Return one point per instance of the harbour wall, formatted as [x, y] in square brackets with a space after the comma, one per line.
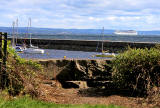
[86, 45]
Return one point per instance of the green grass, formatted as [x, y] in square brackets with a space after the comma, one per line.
[26, 102]
[110, 56]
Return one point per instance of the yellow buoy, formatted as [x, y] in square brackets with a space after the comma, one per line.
[64, 57]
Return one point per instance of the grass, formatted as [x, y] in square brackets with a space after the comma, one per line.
[26, 102]
[109, 56]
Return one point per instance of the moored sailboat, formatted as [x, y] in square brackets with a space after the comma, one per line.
[17, 47]
[32, 49]
[104, 53]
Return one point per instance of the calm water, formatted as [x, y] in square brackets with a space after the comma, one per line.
[59, 54]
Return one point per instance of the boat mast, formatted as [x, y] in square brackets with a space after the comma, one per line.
[16, 30]
[29, 30]
[102, 39]
[13, 34]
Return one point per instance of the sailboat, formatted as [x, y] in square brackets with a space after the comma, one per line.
[17, 47]
[104, 53]
[32, 49]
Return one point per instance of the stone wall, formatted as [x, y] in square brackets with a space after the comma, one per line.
[76, 70]
[86, 45]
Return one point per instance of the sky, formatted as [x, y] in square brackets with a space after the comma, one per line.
[82, 14]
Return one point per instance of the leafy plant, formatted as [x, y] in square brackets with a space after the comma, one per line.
[137, 69]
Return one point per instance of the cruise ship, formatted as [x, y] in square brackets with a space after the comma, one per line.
[125, 32]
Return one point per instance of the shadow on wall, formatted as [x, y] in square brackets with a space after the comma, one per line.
[76, 70]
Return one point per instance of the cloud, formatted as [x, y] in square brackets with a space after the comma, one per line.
[112, 14]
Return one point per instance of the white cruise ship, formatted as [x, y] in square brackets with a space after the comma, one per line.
[125, 32]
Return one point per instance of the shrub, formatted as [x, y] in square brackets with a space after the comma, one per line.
[20, 74]
[137, 69]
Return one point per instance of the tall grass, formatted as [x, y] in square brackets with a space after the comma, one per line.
[26, 102]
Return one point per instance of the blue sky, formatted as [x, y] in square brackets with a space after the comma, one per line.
[83, 14]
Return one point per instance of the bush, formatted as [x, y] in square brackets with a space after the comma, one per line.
[137, 69]
[20, 75]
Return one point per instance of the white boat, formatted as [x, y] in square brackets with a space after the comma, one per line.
[103, 53]
[125, 32]
[32, 49]
[19, 48]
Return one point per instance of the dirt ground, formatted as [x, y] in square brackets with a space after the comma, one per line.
[53, 92]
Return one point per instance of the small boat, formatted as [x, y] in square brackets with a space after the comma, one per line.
[32, 49]
[17, 47]
[109, 55]
[104, 53]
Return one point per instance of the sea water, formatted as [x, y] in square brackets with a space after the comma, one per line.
[60, 54]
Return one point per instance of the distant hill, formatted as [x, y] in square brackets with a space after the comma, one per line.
[51, 31]
[149, 32]
[56, 31]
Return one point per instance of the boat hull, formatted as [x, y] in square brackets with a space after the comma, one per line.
[34, 51]
[109, 55]
[19, 48]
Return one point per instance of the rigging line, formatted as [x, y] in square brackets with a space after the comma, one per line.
[13, 33]
[97, 46]
[16, 31]
[30, 30]
[99, 41]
